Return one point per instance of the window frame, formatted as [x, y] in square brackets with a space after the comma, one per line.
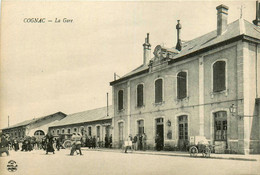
[221, 127]
[90, 131]
[139, 106]
[226, 76]
[187, 84]
[162, 90]
[118, 100]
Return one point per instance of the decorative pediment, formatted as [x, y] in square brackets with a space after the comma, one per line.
[162, 55]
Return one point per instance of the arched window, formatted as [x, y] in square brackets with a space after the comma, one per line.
[68, 130]
[158, 91]
[38, 132]
[89, 131]
[120, 100]
[140, 95]
[58, 132]
[63, 131]
[182, 85]
[75, 130]
[219, 76]
[98, 131]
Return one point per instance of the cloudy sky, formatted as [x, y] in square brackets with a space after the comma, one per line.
[50, 67]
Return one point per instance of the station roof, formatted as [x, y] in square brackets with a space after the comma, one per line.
[86, 116]
[31, 121]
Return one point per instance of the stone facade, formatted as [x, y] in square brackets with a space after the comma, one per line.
[83, 128]
[197, 113]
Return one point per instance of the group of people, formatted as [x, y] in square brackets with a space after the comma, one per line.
[49, 142]
[95, 142]
[138, 142]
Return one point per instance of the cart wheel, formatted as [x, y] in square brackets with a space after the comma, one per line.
[193, 151]
[207, 152]
[67, 144]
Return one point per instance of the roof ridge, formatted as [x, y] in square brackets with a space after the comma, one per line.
[89, 110]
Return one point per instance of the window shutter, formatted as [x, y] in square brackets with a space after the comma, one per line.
[182, 85]
[158, 91]
[120, 99]
[219, 76]
[140, 95]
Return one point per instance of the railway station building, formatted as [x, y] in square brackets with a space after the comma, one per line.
[208, 86]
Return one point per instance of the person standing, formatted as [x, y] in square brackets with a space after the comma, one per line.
[110, 141]
[76, 144]
[128, 143]
[49, 144]
[58, 143]
[141, 142]
[4, 145]
[106, 141]
[94, 141]
[16, 145]
[144, 141]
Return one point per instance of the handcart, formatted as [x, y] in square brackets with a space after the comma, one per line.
[199, 144]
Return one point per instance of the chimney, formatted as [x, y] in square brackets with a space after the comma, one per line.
[257, 18]
[178, 27]
[147, 50]
[222, 18]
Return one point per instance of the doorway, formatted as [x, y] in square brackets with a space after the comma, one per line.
[220, 131]
[159, 139]
[121, 134]
[183, 132]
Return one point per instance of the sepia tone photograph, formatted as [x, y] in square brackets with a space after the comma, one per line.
[129, 87]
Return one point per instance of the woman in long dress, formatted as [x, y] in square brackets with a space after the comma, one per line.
[49, 143]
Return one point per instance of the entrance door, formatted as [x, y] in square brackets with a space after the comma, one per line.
[183, 132]
[159, 139]
[121, 134]
[220, 131]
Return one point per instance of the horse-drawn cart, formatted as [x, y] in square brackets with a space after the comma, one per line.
[199, 144]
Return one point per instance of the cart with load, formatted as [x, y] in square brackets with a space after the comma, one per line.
[199, 144]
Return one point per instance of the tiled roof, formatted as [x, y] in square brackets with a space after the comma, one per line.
[234, 29]
[27, 122]
[86, 116]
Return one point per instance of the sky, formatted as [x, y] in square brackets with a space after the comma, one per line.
[50, 67]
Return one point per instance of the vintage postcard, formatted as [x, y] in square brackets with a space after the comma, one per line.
[129, 87]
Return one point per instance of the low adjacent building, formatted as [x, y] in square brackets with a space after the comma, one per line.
[95, 122]
[37, 127]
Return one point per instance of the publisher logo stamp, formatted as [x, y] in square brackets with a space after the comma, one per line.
[12, 166]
